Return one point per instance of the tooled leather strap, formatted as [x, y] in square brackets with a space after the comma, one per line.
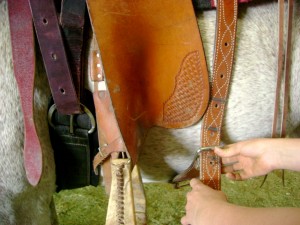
[52, 48]
[210, 165]
[21, 30]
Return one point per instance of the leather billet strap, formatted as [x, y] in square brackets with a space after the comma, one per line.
[21, 30]
[53, 52]
[72, 21]
[208, 164]
[210, 168]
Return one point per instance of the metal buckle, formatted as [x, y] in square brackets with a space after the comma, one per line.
[52, 109]
[207, 148]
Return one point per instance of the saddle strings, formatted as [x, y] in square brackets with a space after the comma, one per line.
[120, 194]
[283, 72]
[283, 69]
[280, 63]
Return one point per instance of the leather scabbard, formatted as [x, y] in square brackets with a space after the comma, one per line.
[22, 40]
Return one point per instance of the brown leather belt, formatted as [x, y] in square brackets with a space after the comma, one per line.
[209, 164]
[54, 55]
[24, 68]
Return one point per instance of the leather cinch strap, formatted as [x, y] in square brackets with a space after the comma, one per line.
[21, 30]
[210, 165]
[53, 51]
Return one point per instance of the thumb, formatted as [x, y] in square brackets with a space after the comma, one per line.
[226, 151]
[195, 182]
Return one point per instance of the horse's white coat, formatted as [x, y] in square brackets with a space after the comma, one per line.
[166, 152]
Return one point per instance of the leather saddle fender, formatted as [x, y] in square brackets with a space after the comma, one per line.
[154, 64]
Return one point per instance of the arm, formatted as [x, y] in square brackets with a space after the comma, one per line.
[259, 156]
[206, 206]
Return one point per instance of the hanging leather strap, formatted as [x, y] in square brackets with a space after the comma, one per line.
[210, 165]
[72, 21]
[110, 139]
[283, 70]
[283, 74]
[287, 67]
[280, 61]
[21, 31]
[54, 56]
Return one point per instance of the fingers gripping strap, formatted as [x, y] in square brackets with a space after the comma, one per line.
[223, 62]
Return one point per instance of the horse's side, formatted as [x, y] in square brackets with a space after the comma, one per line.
[166, 152]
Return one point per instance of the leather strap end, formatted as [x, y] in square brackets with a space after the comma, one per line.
[210, 169]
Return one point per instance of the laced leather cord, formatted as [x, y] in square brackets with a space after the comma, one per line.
[120, 194]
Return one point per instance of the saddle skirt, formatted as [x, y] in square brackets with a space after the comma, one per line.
[154, 65]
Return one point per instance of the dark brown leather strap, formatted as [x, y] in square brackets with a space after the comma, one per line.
[210, 165]
[54, 56]
[72, 21]
[21, 30]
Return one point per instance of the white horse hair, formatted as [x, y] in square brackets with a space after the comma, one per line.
[166, 151]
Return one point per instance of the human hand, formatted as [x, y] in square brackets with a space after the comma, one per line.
[247, 159]
[202, 203]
